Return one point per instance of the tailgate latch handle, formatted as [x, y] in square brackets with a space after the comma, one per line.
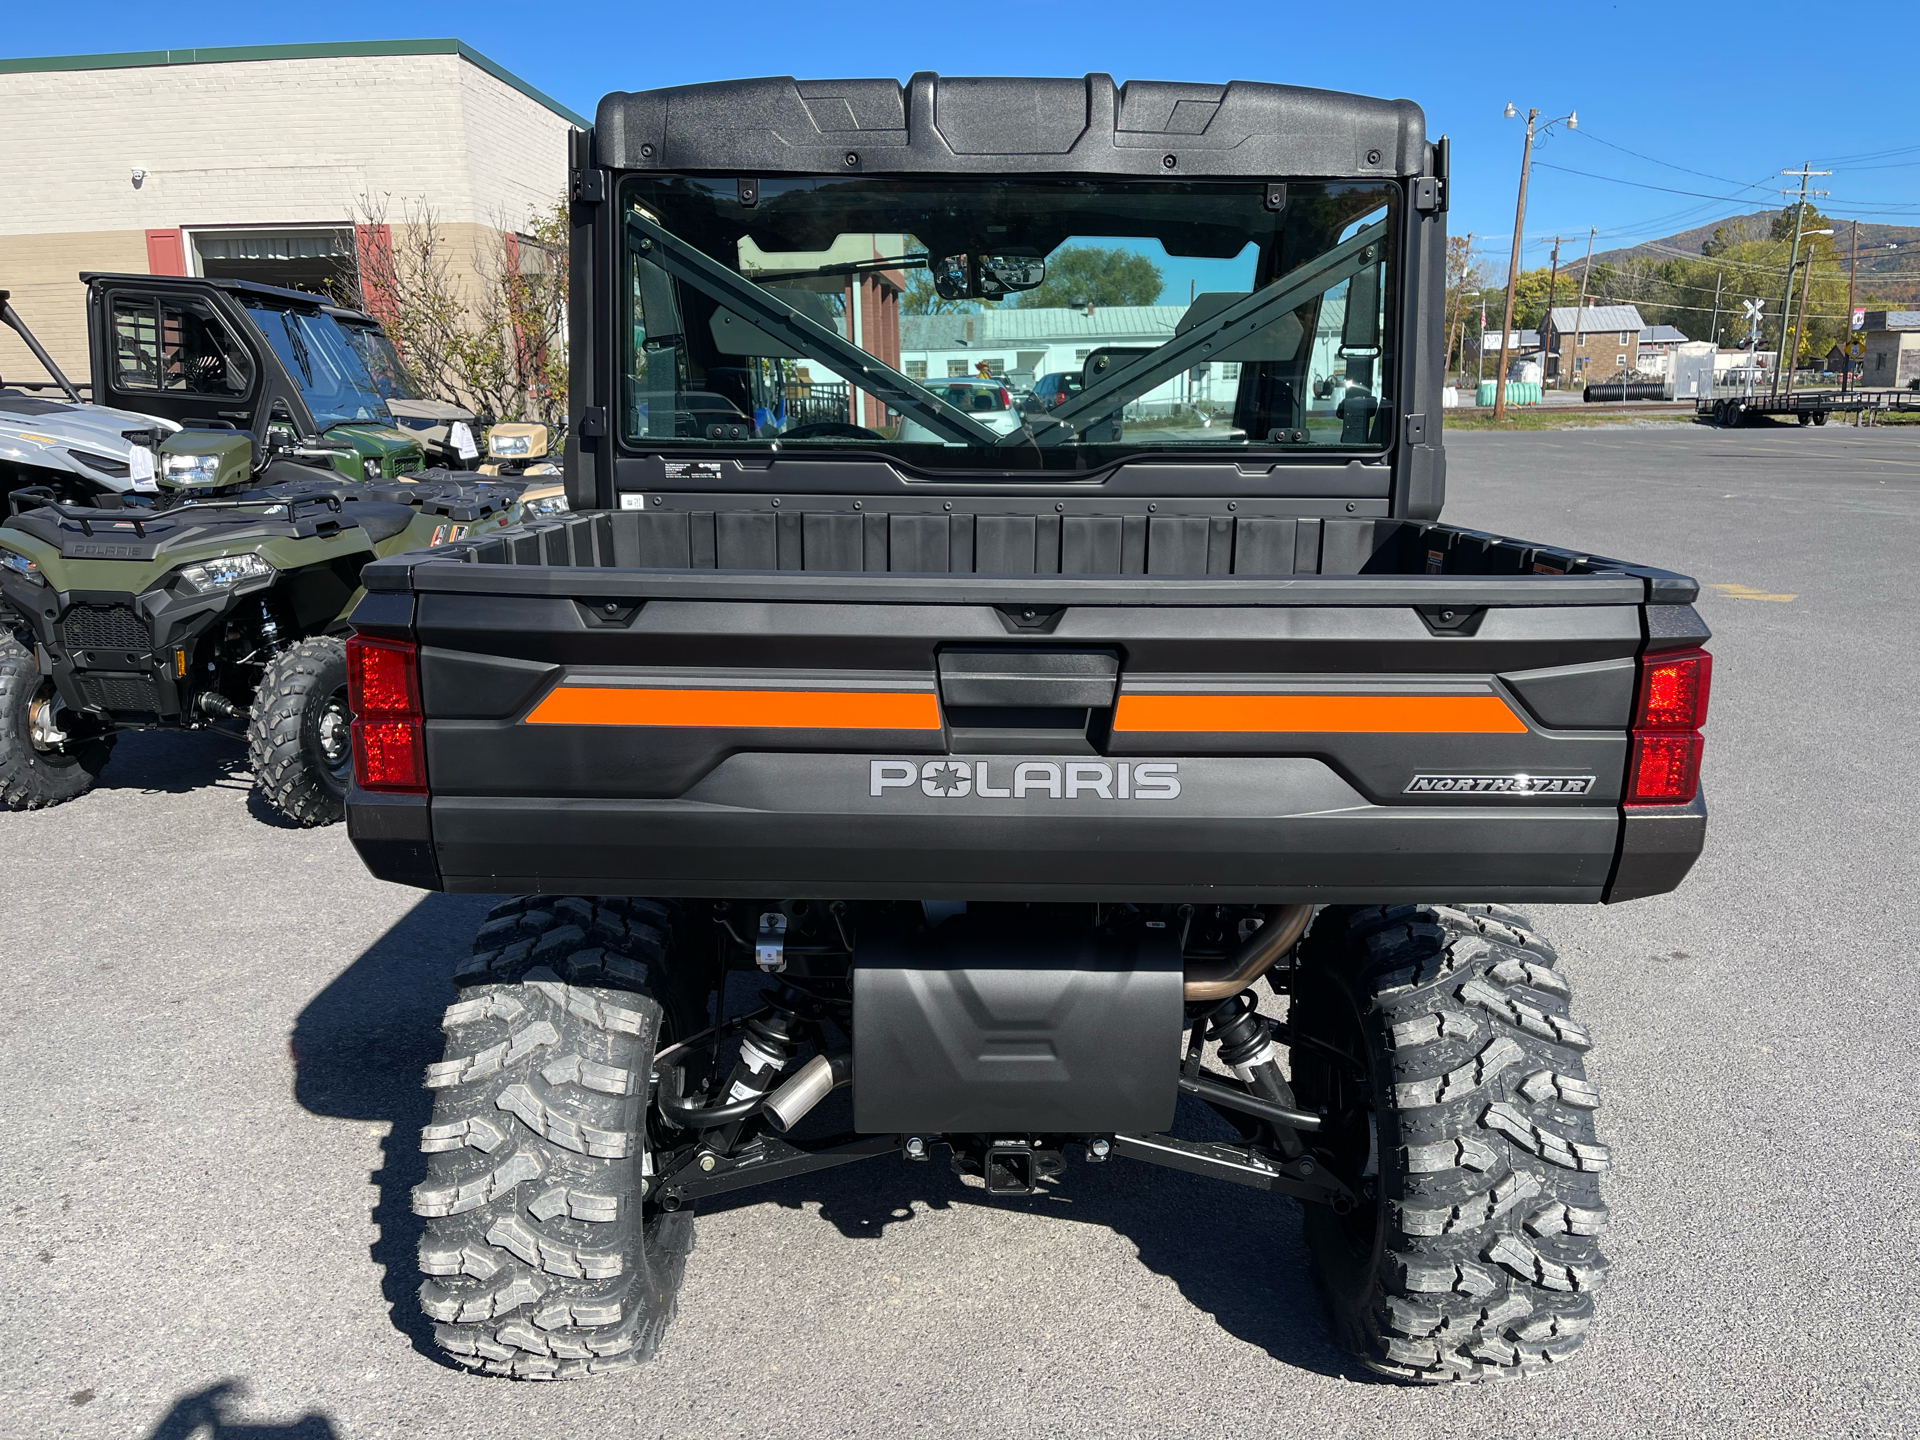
[770, 949]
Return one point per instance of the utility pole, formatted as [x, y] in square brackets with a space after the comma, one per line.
[1806, 284]
[1714, 330]
[1546, 321]
[1853, 273]
[1513, 269]
[1800, 320]
[1572, 121]
[1580, 310]
[1793, 258]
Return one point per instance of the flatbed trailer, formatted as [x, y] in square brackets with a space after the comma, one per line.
[1811, 407]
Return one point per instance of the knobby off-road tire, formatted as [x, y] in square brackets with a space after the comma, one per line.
[299, 739]
[33, 777]
[1476, 1254]
[543, 1260]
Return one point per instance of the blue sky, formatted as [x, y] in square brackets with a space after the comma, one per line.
[1709, 101]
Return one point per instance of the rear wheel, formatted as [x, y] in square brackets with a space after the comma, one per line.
[45, 759]
[300, 736]
[1438, 1042]
[544, 1258]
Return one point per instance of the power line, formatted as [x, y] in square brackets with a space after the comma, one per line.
[1736, 199]
[1870, 155]
[1588, 134]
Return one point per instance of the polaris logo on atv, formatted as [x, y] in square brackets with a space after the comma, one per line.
[1500, 785]
[1027, 779]
[100, 550]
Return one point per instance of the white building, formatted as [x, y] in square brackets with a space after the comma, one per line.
[254, 163]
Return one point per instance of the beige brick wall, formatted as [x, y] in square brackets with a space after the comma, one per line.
[41, 272]
[251, 143]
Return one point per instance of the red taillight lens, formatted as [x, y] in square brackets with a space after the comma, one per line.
[1665, 768]
[389, 739]
[1673, 690]
[383, 677]
[1006, 400]
[390, 755]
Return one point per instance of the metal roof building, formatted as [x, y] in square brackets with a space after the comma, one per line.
[1596, 319]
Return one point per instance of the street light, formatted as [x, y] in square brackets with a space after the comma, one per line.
[1572, 121]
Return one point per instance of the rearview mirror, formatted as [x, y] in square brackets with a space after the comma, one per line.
[985, 277]
[1004, 274]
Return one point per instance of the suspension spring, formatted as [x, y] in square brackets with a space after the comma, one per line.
[1246, 1046]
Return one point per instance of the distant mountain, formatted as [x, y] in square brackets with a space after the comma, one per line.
[1894, 274]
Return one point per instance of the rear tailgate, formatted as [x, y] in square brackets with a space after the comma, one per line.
[599, 728]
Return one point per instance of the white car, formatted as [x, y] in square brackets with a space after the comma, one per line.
[986, 401]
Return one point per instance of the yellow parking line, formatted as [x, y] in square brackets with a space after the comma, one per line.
[1747, 592]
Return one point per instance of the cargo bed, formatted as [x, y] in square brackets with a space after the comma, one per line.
[794, 696]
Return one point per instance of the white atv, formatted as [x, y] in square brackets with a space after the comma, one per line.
[81, 450]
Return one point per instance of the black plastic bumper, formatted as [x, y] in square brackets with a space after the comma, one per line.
[1658, 845]
[1241, 830]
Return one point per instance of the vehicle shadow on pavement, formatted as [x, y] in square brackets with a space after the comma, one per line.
[1235, 1253]
[203, 1416]
[172, 762]
[360, 1048]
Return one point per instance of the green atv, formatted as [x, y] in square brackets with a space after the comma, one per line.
[219, 603]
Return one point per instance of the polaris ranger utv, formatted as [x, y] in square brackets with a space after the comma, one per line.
[1017, 760]
[218, 603]
[288, 368]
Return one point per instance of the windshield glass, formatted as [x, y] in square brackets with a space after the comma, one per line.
[1022, 324]
[382, 360]
[333, 378]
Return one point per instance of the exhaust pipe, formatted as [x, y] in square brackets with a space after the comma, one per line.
[807, 1087]
[1222, 979]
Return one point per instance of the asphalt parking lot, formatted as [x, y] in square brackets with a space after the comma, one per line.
[211, 1071]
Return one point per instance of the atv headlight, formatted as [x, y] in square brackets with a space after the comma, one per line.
[210, 576]
[191, 470]
[370, 467]
[548, 505]
[21, 565]
[509, 447]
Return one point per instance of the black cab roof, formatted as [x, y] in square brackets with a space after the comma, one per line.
[944, 124]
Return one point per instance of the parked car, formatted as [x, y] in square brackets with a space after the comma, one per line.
[1054, 390]
[987, 401]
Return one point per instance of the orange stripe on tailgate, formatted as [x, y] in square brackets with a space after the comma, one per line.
[1318, 714]
[755, 709]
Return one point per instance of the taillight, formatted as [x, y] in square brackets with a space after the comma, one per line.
[389, 739]
[1673, 690]
[1006, 400]
[1664, 766]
